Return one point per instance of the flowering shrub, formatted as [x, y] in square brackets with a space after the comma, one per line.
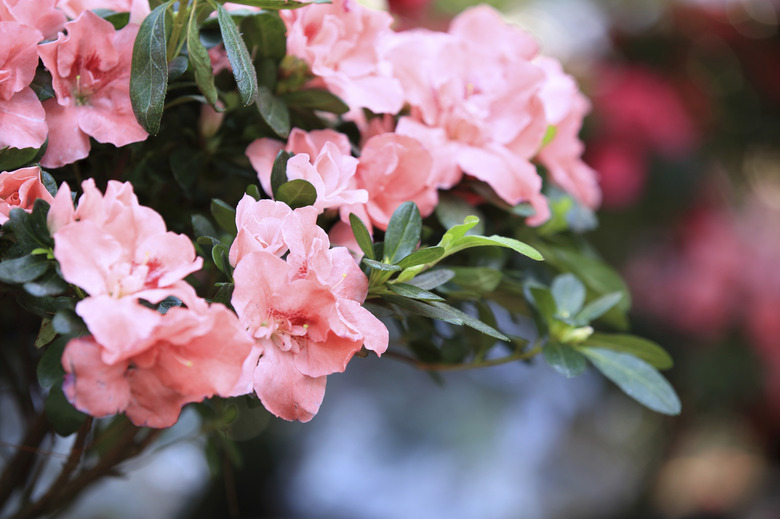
[447, 164]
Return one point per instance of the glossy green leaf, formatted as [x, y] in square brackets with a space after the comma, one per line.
[49, 370]
[471, 321]
[469, 241]
[24, 269]
[177, 66]
[278, 4]
[598, 307]
[220, 255]
[569, 294]
[421, 257]
[66, 322]
[543, 300]
[378, 265]
[641, 348]
[362, 236]
[458, 231]
[46, 333]
[265, 35]
[316, 99]
[636, 378]
[30, 229]
[238, 56]
[564, 359]
[424, 309]
[279, 171]
[14, 158]
[411, 291]
[297, 193]
[50, 284]
[274, 112]
[41, 84]
[432, 279]
[403, 232]
[201, 62]
[478, 279]
[49, 183]
[149, 70]
[224, 215]
[201, 226]
[253, 191]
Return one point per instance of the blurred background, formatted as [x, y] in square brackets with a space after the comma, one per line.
[685, 132]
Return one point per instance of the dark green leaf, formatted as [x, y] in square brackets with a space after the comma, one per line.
[478, 279]
[224, 294]
[362, 236]
[15, 158]
[64, 418]
[569, 294]
[644, 349]
[30, 228]
[378, 265]
[253, 191]
[66, 322]
[599, 307]
[278, 4]
[403, 232]
[279, 171]
[471, 321]
[149, 70]
[432, 279]
[176, 67]
[238, 55]
[424, 309]
[45, 333]
[49, 183]
[452, 210]
[316, 99]
[220, 255]
[50, 369]
[118, 20]
[168, 303]
[224, 215]
[274, 112]
[265, 33]
[297, 193]
[467, 242]
[201, 62]
[564, 359]
[406, 290]
[24, 269]
[50, 284]
[201, 226]
[186, 165]
[636, 378]
[421, 257]
[41, 84]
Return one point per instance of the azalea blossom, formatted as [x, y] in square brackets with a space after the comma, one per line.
[304, 311]
[21, 188]
[22, 119]
[341, 42]
[186, 355]
[39, 14]
[90, 68]
[322, 158]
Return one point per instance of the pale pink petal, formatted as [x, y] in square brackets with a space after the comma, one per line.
[22, 121]
[67, 143]
[374, 332]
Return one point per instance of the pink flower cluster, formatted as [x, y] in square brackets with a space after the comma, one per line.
[301, 302]
[89, 62]
[478, 101]
[20, 189]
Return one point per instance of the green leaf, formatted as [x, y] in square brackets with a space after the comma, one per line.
[176, 67]
[362, 236]
[636, 378]
[118, 20]
[458, 231]
[421, 257]
[452, 210]
[467, 242]
[478, 279]
[46, 333]
[186, 165]
[432, 279]
[598, 307]
[15, 158]
[278, 4]
[644, 349]
[64, 418]
[543, 300]
[279, 171]
[564, 359]
[41, 84]
[316, 99]
[49, 183]
[297, 193]
[411, 291]
[201, 226]
[403, 232]
[238, 55]
[253, 191]
[274, 112]
[201, 62]
[30, 228]
[66, 322]
[424, 309]
[265, 33]
[224, 294]
[378, 265]
[220, 254]
[149, 70]
[50, 284]
[24, 269]
[471, 321]
[49, 368]
[224, 215]
[569, 294]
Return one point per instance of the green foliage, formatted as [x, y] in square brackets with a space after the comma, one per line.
[238, 55]
[564, 359]
[403, 232]
[297, 193]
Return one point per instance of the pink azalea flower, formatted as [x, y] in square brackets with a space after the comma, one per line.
[40, 14]
[21, 188]
[260, 225]
[90, 70]
[189, 354]
[341, 42]
[111, 245]
[474, 97]
[565, 107]
[304, 329]
[138, 9]
[22, 119]
[322, 158]
[393, 169]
